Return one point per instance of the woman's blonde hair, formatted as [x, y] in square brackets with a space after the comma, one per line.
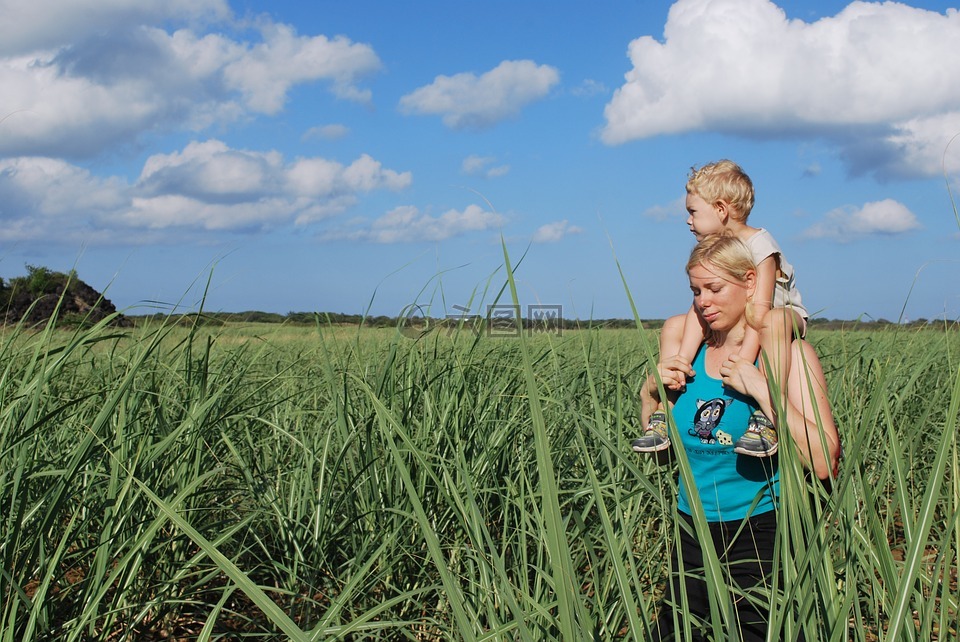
[725, 181]
[725, 252]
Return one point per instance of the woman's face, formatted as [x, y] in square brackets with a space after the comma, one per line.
[720, 297]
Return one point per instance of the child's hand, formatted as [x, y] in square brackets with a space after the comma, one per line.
[674, 372]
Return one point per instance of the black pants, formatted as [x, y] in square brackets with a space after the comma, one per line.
[746, 559]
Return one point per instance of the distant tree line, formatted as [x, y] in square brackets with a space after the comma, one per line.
[453, 321]
[41, 293]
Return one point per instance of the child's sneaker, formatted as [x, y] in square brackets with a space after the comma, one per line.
[760, 440]
[654, 438]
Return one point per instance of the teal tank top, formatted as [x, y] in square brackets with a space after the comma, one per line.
[710, 419]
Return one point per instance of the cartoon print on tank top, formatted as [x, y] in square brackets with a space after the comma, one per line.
[707, 418]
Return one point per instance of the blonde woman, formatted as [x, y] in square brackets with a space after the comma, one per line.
[726, 397]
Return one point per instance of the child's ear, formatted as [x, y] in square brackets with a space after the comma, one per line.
[723, 210]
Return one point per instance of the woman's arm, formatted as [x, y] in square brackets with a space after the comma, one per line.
[807, 408]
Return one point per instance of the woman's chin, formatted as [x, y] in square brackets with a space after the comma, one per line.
[718, 325]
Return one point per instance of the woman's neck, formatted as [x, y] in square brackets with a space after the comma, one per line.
[731, 339]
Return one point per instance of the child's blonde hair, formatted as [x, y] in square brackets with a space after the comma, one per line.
[725, 252]
[725, 181]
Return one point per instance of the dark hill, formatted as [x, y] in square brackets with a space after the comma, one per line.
[34, 298]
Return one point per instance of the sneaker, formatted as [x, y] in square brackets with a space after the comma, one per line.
[760, 440]
[654, 438]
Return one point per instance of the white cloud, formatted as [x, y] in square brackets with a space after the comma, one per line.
[875, 79]
[333, 131]
[205, 186]
[813, 169]
[474, 165]
[266, 71]
[28, 27]
[589, 87]
[674, 209]
[466, 100]
[407, 224]
[926, 147]
[171, 211]
[879, 217]
[210, 171]
[43, 199]
[50, 188]
[556, 231]
[82, 97]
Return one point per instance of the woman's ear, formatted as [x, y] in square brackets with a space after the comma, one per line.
[750, 281]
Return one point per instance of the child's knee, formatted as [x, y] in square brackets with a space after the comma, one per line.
[782, 322]
[674, 324]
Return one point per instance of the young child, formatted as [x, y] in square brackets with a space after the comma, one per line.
[719, 199]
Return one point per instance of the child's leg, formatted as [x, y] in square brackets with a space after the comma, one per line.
[694, 331]
[655, 437]
[779, 328]
[652, 418]
[671, 336]
[777, 331]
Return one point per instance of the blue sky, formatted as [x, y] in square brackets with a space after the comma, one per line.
[352, 156]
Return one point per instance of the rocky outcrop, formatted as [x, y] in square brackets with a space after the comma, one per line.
[35, 298]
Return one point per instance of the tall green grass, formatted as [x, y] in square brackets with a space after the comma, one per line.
[269, 482]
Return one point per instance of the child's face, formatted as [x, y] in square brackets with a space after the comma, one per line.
[704, 219]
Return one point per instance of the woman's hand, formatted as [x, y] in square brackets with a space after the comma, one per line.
[744, 377]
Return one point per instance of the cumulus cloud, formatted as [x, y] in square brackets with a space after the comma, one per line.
[466, 100]
[205, 186]
[474, 165]
[407, 224]
[556, 231]
[874, 79]
[265, 72]
[78, 98]
[28, 27]
[879, 217]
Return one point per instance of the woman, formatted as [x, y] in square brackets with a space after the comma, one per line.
[725, 396]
